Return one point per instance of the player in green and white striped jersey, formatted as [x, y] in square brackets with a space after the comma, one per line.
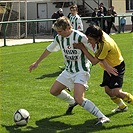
[75, 19]
[75, 60]
[76, 73]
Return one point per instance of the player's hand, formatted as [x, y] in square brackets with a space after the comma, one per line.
[33, 66]
[112, 70]
[78, 45]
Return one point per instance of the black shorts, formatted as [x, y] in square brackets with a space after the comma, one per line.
[114, 81]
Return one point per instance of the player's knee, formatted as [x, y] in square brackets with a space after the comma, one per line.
[116, 92]
[78, 100]
[108, 91]
[53, 92]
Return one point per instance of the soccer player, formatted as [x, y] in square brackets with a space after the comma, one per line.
[77, 70]
[75, 18]
[107, 49]
[76, 22]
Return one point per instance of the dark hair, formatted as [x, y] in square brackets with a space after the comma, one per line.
[94, 32]
[101, 4]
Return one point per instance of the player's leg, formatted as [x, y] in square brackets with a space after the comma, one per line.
[127, 97]
[57, 90]
[116, 85]
[111, 83]
[58, 87]
[121, 105]
[81, 78]
[88, 105]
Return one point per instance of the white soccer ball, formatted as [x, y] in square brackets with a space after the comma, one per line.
[21, 117]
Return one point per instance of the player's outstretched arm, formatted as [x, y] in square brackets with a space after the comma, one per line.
[110, 70]
[81, 46]
[35, 64]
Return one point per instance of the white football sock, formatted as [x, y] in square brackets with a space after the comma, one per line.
[66, 97]
[91, 107]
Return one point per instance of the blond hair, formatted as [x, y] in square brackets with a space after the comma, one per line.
[62, 23]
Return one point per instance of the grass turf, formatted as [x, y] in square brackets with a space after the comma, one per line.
[21, 89]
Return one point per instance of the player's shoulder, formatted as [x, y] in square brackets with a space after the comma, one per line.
[77, 16]
[107, 39]
[57, 38]
[81, 37]
[78, 32]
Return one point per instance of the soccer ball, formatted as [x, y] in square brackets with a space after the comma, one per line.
[21, 117]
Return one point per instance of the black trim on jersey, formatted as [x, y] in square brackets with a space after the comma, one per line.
[67, 65]
[82, 56]
[79, 39]
[83, 62]
[74, 37]
[62, 42]
[57, 39]
[99, 49]
[71, 67]
[68, 41]
[76, 66]
[76, 24]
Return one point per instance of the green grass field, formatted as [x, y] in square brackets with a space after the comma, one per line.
[21, 89]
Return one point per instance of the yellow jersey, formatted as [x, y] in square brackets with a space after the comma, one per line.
[108, 49]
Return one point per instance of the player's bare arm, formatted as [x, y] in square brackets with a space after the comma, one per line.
[81, 46]
[110, 70]
[35, 64]
[95, 60]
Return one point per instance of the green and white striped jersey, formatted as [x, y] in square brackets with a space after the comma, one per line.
[76, 22]
[74, 59]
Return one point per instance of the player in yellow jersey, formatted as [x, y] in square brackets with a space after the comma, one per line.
[105, 48]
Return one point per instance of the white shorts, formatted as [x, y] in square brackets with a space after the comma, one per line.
[68, 79]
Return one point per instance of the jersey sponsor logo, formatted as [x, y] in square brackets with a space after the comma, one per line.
[79, 27]
[71, 54]
[69, 47]
[70, 51]
[73, 58]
